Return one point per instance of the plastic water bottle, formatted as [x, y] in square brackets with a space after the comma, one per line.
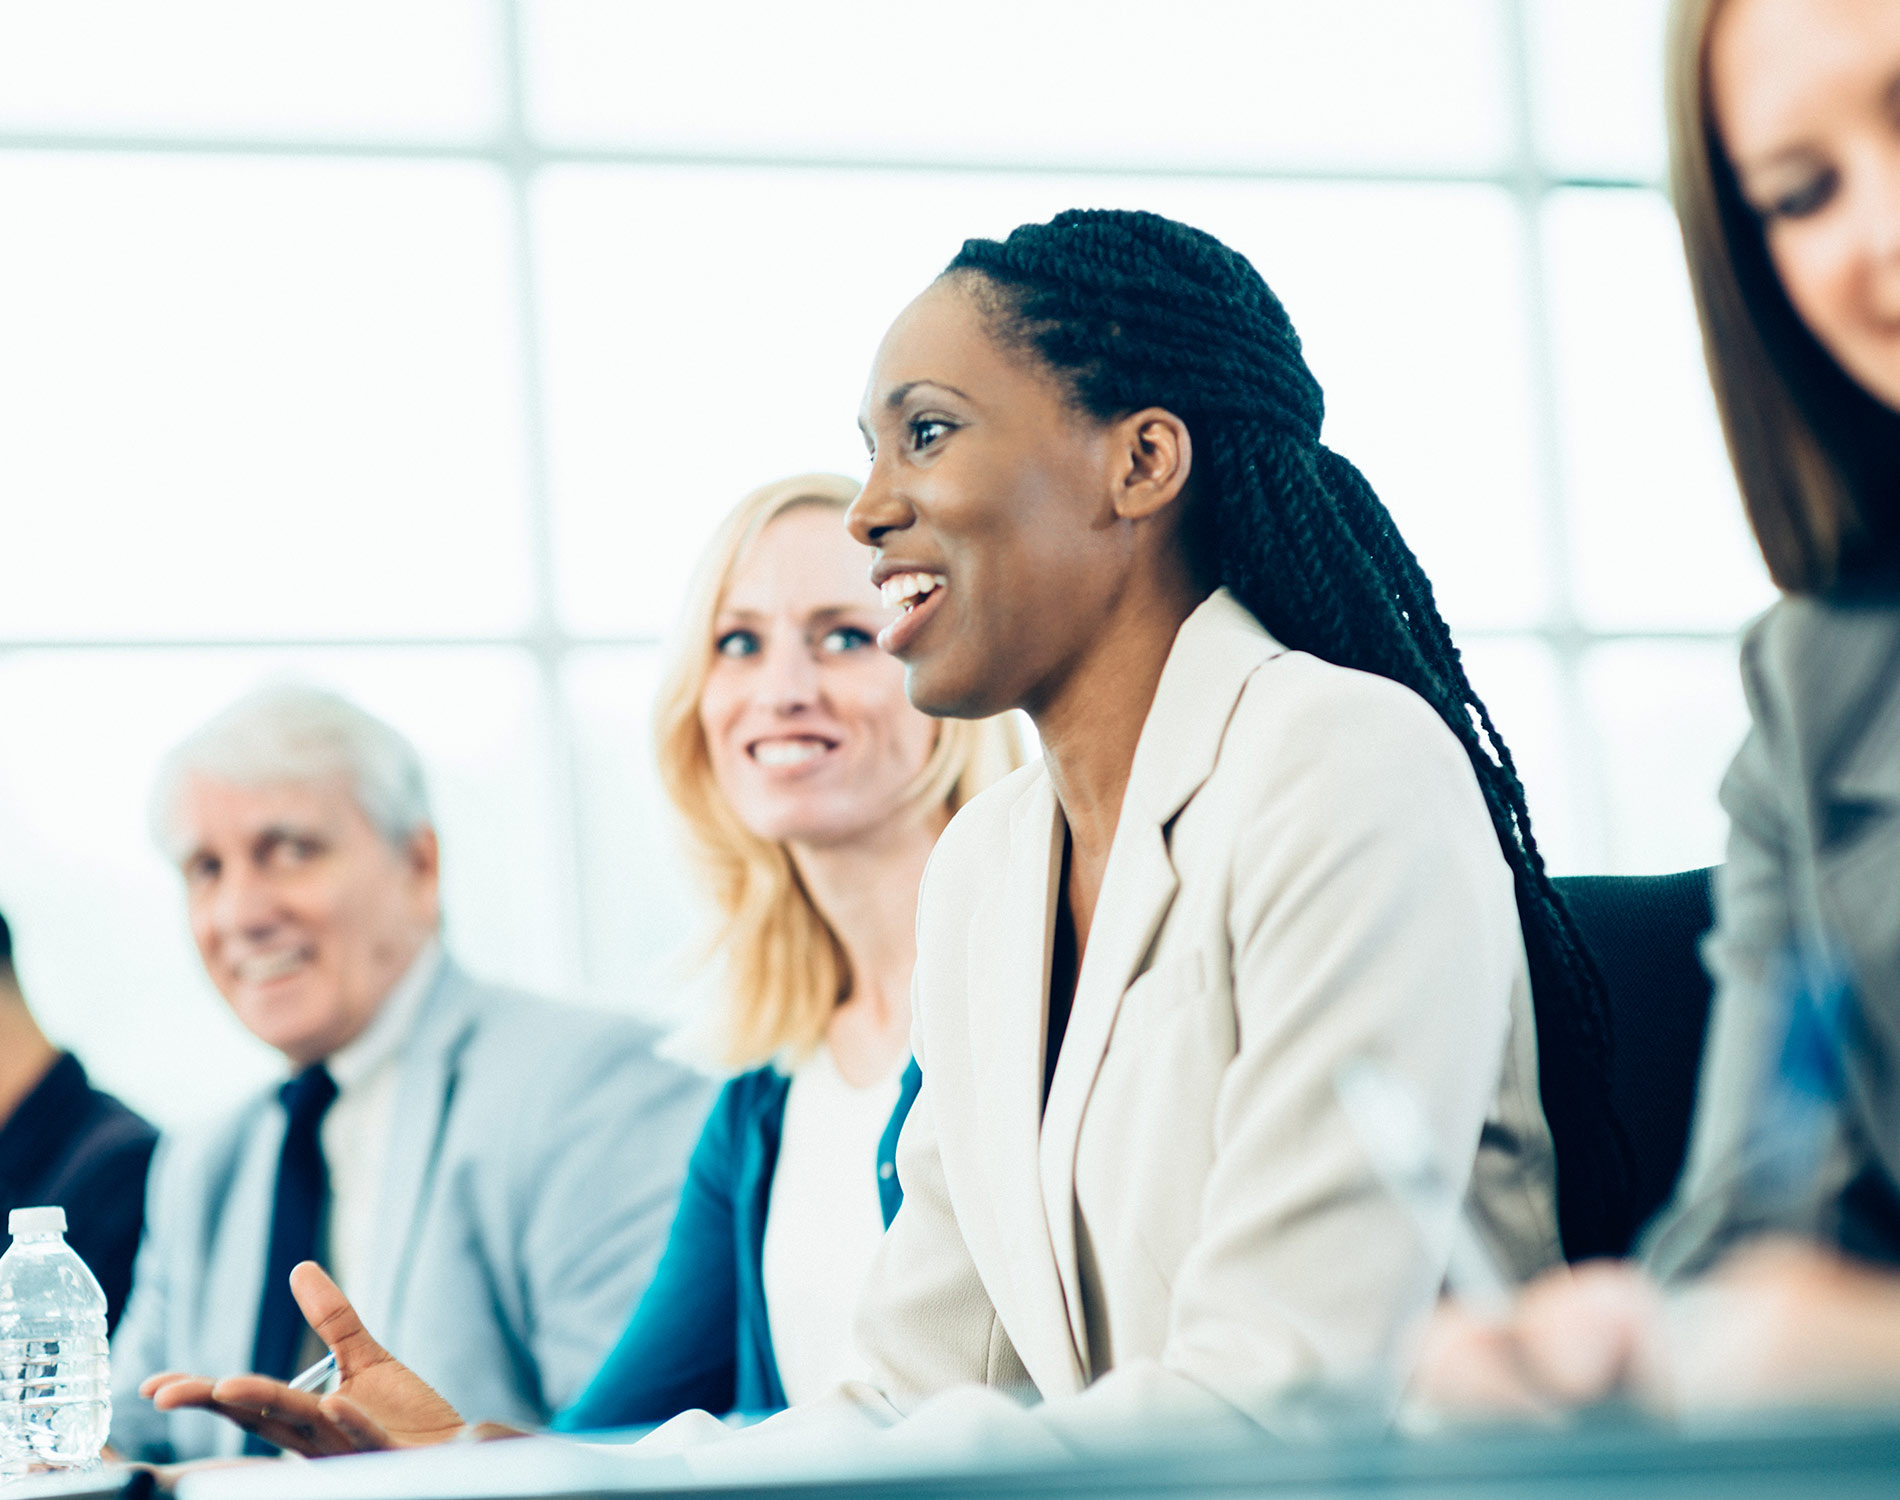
[55, 1374]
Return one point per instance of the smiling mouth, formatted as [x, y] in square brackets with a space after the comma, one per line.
[264, 968]
[908, 590]
[791, 750]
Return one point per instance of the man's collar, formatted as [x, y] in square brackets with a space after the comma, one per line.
[382, 1039]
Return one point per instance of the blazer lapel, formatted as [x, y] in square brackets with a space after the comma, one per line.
[1137, 890]
[1856, 803]
[424, 1092]
[232, 1284]
[1866, 769]
[1833, 670]
[1217, 649]
[757, 1382]
[1009, 967]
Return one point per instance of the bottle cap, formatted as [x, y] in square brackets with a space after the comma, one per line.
[36, 1221]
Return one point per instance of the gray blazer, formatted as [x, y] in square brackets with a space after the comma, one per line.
[1813, 799]
[535, 1161]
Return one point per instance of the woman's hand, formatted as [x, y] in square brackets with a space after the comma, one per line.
[1784, 1322]
[378, 1403]
[1573, 1338]
[1779, 1323]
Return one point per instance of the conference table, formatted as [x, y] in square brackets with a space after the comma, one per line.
[1842, 1456]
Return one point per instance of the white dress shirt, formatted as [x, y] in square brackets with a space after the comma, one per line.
[823, 1223]
[356, 1128]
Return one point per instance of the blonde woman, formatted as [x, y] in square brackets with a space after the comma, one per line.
[813, 793]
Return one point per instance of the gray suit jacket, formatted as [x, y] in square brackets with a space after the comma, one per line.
[535, 1161]
[1814, 805]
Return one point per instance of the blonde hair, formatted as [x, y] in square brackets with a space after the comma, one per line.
[1814, 453]
[784, 970]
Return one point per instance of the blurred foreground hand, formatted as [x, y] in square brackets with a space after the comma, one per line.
[1780, 1323]
[379, 1402]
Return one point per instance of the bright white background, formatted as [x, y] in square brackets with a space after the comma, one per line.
[415, 348]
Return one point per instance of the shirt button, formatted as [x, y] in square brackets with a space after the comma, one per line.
[886, 1170]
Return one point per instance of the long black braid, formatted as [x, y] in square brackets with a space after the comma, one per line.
[1133, 310]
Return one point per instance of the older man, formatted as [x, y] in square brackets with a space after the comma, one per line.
[490, 1176]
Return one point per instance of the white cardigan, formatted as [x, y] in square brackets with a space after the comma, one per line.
[1304, 873]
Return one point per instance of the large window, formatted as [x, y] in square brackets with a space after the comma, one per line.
[415, 349]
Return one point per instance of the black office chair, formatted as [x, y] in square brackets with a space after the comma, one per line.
[1644, 931]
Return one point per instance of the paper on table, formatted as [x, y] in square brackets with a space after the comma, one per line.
[844, 1436]
[482, 1471]
[822, 1438]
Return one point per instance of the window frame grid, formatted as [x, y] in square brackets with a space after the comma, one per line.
[519, 158]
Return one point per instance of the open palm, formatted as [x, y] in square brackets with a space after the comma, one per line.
[379, 1402]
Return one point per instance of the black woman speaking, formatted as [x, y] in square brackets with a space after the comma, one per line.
[1273, 833]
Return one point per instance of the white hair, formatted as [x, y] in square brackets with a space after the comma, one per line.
[292, 733]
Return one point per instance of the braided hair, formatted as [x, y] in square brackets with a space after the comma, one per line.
[1131, 310]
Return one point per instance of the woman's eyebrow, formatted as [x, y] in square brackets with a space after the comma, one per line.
[896, 397]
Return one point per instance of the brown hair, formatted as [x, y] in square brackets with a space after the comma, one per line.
[1814, 453]
[783, 970]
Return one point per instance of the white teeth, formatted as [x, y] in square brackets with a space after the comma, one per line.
[907, 588]
[262, 968]
[786, 752]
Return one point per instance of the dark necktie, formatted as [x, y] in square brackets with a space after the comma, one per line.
[303, 1184]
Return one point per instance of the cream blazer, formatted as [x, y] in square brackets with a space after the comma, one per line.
[1304, 873]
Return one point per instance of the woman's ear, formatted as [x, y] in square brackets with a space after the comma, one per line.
[1156, 456]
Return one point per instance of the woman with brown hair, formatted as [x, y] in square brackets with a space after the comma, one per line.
[1785, 162]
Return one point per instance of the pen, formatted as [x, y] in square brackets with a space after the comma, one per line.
[314, 1377]
[1392, 1127]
